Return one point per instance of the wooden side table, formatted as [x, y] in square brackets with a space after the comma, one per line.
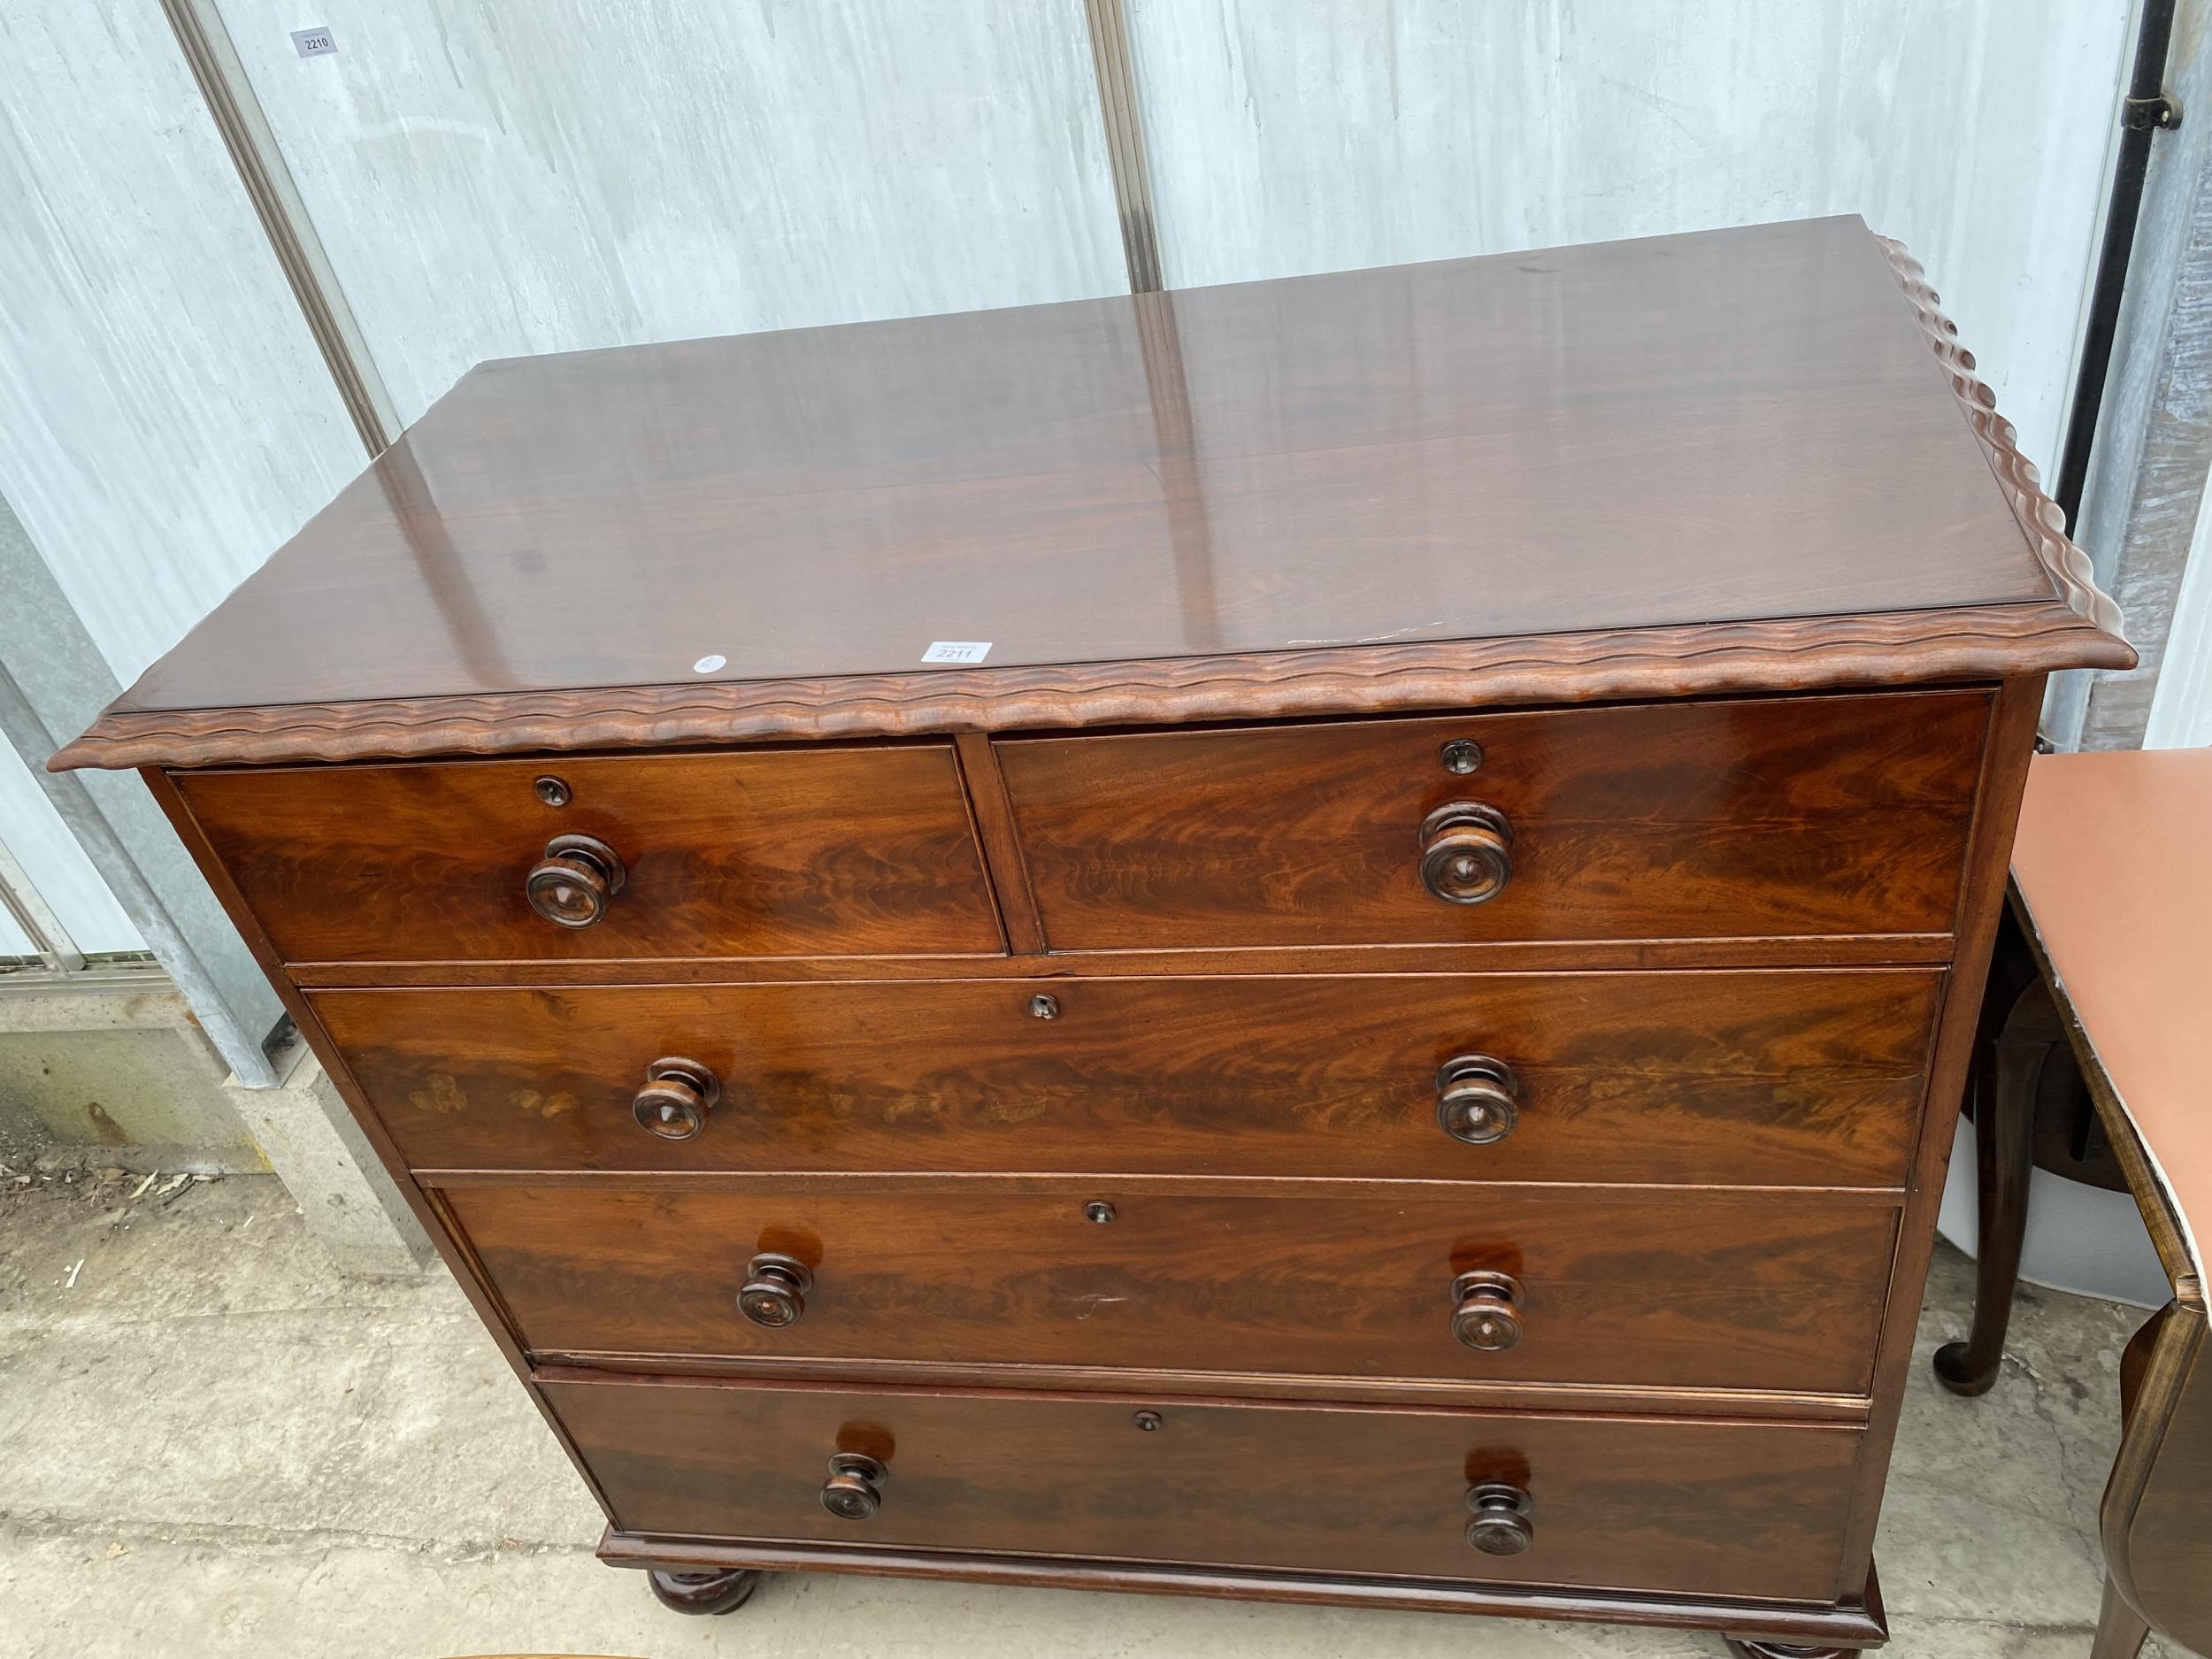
[2111, 916]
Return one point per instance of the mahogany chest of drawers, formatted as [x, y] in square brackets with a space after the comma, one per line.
[1311, 940]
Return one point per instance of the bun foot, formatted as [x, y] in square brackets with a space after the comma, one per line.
[1786, 1650]
[704, 1592]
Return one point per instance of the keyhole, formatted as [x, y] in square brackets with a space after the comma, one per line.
[1462, 756]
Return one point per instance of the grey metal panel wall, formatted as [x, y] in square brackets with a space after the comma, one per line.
[1291, 135]
[493, 178]
[33, 831]
[165, 420]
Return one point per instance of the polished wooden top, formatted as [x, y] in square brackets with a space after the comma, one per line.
[2110, 864]
[1742, 427]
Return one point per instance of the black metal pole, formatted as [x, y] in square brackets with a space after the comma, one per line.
[2146, 108]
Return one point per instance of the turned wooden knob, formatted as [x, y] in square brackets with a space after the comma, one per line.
[855, 1489]
[1477, 1099]
[1466, 856]
[775, 1288]
[1501, 1524]
[1486, 1310]
[676, 1099]
[572, 885]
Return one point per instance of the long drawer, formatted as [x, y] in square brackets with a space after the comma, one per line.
[1583, 1288]
[1799, 1076]
[1710, 1510]
[1805, 817]
[788, 851]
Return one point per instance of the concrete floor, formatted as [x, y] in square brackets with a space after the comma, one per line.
[214, 1446]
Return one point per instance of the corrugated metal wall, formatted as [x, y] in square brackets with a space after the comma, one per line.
[1293, 136]
[164, 421]
[491, 177]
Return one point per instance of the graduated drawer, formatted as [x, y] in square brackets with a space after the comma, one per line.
[1702, 1508]
[741, 853]
[1800, 1077]
[1814, 816]
[1658, 1292]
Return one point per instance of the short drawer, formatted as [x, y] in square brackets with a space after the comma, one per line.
[749, 853]
[1702, 1508]
[1771, 1295]
[1805, 817]
[1806, 1077]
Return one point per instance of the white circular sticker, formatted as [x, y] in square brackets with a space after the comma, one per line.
[708, 664]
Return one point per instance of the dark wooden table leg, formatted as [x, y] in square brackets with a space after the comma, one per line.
[2121, 1632]
[704, 1592]
[2019, 1028]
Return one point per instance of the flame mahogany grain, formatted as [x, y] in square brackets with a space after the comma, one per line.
[1805, 1077]
[778, 852]
[1812, 816]
[1774, 1296]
